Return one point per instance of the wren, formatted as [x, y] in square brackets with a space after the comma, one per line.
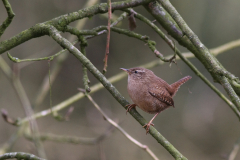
[149, 92]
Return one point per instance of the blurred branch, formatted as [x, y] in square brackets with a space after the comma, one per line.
[108, 35]
[56, 67]
[70, 139]
[20, 156]
[234, 151]
[17, 60]
[225, 47]
[17, 85]
[9, 19]
[102, 154]
[29, 112]
[7, 146]
[218, 50]
[5, 68]
[144, 147]
[95, 88]
[7, 118]
[55, 114]
[60, 59]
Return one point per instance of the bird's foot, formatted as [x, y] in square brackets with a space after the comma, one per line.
[130, 106]
[148, 126]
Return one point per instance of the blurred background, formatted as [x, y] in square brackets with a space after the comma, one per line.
[201, 126]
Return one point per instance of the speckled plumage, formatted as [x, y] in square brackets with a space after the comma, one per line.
[149, 92]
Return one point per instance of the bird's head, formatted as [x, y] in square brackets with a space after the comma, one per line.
[138, 73]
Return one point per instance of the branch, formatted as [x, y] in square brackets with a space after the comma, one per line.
[29, 112]
[17, 85]
[83, 45]
[234, 151]
[66, 44]
[61, 22]
[144, 147]
[7, 146]
[60, 59]
[99, 86]
[6, 117]
[20, 156]
[225, 47]
[194, 69]
[145, 39]
[9, 19]
[191, 41]
[70, 139]
[56, 68]
[108, 35]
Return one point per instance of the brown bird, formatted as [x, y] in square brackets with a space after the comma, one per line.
[149, 92]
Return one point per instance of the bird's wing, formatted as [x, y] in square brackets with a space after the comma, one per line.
[161, 94]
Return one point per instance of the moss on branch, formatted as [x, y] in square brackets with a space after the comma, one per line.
[61, 22]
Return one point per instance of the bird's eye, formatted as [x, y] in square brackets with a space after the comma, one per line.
[136, 72]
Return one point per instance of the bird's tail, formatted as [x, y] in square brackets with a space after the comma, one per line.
[177, 84]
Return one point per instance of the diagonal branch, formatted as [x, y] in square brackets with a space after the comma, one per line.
[108, 35]
[19, 155]
[194, 69]
[61, 22]
[144, 147]
[204, 55]
[112, 79]
[175, 25]
[115, 93]
[9, 19]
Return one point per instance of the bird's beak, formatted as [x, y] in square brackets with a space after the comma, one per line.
[126, 70]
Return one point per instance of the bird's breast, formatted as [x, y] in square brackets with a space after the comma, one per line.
[139, 93]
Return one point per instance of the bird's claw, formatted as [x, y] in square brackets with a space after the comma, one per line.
[148, 126]
[130, 106]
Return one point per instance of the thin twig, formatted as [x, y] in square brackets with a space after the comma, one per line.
[225, 47]
[151, 44]
[144, 147]
[54, 33]
[6, 117]
[70, 139]
[86, 81]
[17, 60]
[60, 59]
[231, 93]
[108, 35]
[9, 19]
[7, 146]
[234, 151]
[29, 112]
[17, 85]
